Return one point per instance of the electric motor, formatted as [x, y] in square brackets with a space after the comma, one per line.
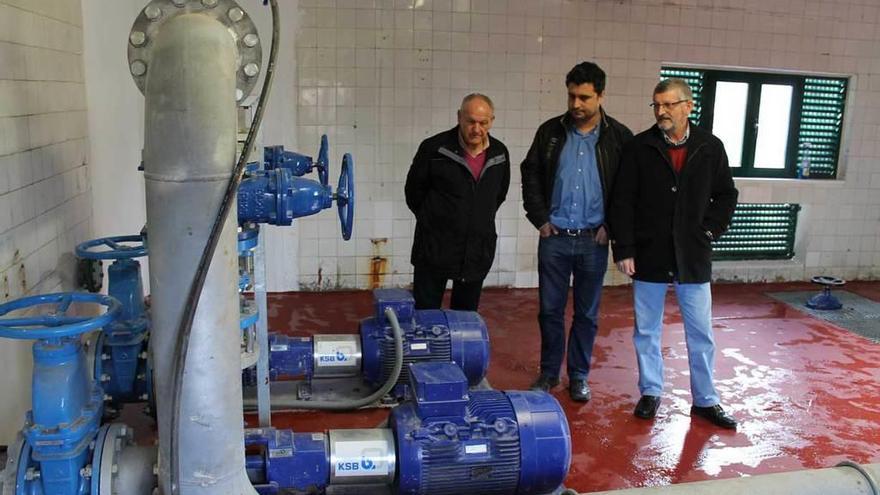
[451, 441]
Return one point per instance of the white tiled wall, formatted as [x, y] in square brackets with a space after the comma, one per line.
[45, 198]
[378, 76]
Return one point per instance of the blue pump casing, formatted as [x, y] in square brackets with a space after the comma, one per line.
[429, 336]
[454, 442]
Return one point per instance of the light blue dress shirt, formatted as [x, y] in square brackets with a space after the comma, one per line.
[577, 201]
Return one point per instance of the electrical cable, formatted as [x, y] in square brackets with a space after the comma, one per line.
[189, 309]
[363, 401]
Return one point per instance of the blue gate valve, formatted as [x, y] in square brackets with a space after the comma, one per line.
[121, 362]
[276, 196]
[67, 404]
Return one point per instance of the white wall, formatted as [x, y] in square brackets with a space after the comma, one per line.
[116, 121]
[379, 76]
[45, 195]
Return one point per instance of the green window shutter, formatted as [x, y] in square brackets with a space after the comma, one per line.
[759, 231]
[694, 79]
[821, 122]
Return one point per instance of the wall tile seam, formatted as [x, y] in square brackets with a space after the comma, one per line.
[50, 210]
[55, 143]
[40, 114]
[55, 50]
[41, 14]
[11, 191]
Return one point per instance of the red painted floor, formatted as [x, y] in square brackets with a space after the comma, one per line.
[807, 393]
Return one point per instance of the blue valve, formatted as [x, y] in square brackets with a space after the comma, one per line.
[278, 194]
[67, 404]
[116, 248]
[299, 164]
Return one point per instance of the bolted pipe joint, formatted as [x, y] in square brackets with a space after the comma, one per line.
[156, 14]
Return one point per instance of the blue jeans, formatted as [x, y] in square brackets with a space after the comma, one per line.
[560, 257]
[695, 302]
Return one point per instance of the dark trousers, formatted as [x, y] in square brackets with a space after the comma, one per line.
[559, 258]
[428, 291]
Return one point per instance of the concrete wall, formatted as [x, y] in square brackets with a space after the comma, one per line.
[45, 192]
[380, 76]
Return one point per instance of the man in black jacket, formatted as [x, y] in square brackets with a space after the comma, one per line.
[567, 177]
[674, 196]
[457, 181]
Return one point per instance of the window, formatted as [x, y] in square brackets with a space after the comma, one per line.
[759, 231]
[772, 125]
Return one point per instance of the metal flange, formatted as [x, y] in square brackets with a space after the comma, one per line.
[109, 443]
[148, 25]
[18, 460]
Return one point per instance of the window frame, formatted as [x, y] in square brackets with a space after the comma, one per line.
[709, 77]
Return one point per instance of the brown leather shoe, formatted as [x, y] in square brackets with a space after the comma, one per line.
[716, 415]
[647, 407]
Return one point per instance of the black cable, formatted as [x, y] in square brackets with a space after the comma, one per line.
[348, 405]
[189, 310]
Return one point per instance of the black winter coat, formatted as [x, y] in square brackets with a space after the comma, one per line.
[542, 161]
[455, 213]
[667, 221]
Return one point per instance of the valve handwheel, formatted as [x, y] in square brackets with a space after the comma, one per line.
[117, 248]
[345, 196]
[323, 163]
[57, 323]
[827, 281]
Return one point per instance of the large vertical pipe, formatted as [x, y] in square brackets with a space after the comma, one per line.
[189, 152]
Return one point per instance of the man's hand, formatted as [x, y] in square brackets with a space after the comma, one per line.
[601, 236]
[627, 266]
[548, 229]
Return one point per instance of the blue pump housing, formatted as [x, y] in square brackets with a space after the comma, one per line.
[429, 336]
[454, 442]
[445, 440]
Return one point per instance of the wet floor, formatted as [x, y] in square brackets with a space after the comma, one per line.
[807, 393]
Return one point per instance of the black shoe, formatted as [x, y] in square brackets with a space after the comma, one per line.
[579, 391]
[647, 407]
[716, 415]
[544, 383]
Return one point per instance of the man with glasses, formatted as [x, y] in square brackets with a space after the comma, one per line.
[567, 177]
[455, 184]
[674, 195]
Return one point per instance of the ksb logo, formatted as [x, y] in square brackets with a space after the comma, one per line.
[364, 465]
[340, 357]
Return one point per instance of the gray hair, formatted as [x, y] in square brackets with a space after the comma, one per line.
[681, 85]
[480, 96]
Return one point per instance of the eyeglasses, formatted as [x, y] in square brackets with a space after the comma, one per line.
[666, 106]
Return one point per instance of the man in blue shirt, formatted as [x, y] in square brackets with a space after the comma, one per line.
[567, 178]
